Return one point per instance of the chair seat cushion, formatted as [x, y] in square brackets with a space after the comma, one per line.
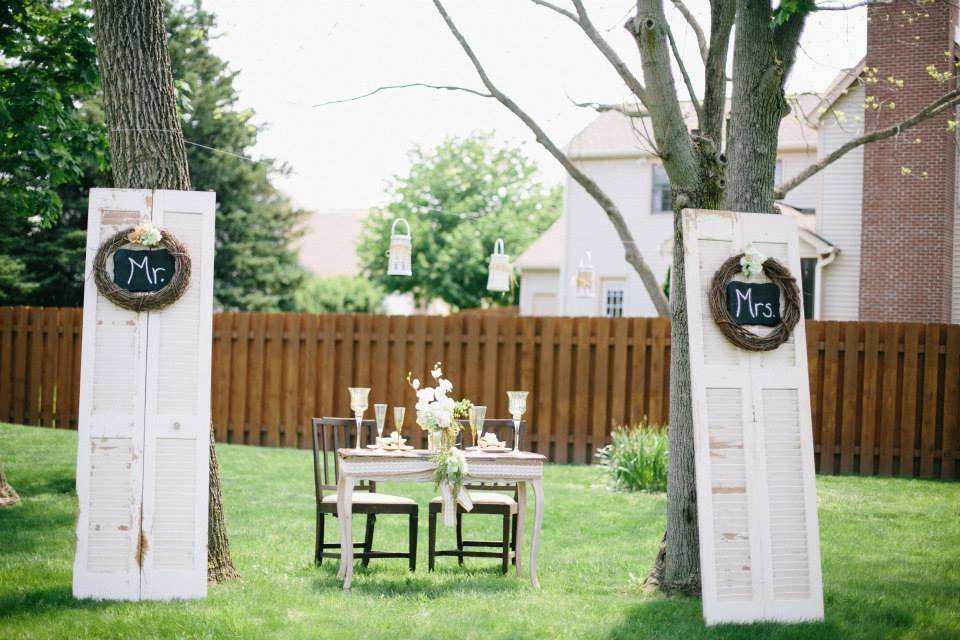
[486, 497]
[365, 497]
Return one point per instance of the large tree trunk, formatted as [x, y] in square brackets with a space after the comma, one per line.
[148, 152]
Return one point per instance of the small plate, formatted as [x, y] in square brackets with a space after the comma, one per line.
[494, 449]
[405, 447]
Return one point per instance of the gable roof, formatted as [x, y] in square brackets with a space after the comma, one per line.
[836, 90]
[546, 252]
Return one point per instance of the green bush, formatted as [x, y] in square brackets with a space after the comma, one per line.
[339, 294]
[636, 458]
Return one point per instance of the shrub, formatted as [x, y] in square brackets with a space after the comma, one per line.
[636, 458]
[339, 294]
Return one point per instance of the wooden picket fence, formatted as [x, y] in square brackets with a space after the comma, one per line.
[877, 390]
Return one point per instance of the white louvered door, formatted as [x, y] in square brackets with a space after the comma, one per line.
[756, 499]
[177, 424]
[142, 461]
[110, 429]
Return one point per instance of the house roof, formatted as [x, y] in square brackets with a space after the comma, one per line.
[613, 135]
[328, 246]
[835, 91]
[546, 252]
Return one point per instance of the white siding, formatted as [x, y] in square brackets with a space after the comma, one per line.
[839, 213]
[534, 283]
[805, 194]
[628, 182]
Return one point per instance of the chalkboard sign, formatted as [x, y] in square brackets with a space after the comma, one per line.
[142, 270]
[753, 303]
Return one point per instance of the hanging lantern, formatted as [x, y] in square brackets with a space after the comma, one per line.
[586, 277]
[398, 263]
[500, 269]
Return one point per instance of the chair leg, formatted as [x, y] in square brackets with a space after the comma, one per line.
[368, 538]
[460, 537]
[432, 540]
[318, 558]
[513, 544]
[413, 541]
[506, 542]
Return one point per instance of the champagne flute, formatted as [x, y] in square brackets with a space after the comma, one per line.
[477, 415]
[398, 414]
[359, 397]
[518, 405]
[380, 414]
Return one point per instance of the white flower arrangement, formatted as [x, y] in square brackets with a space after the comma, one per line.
[751, 264]
[145, 234]
[435, 408]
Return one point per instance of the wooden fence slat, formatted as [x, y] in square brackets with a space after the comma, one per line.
[885, 397]
[238, 426]
[546, 417]
[51, 343]
[889, 397]
[908, 407]
[831, 377]
[20, 346]
[928, 423]
[601, 387]
[951, 405]
[580, 391]
[871, 376]
[849, 426]
[6, 364]
[563, 391]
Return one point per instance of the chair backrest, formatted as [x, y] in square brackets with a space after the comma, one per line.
[503, 428]
[330, 434]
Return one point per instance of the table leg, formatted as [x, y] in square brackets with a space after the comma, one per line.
[345, 515]
[521, 516]
[537, 523]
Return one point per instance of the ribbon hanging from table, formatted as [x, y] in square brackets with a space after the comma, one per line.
[449, 509]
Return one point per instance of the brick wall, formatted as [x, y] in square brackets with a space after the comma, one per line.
[909, 186]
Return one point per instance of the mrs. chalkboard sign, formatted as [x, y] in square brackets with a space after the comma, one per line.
[151, 268]
[735, 305]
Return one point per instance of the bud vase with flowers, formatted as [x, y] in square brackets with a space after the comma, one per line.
[436, 414]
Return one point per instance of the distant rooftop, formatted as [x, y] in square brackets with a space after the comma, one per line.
[329, 247]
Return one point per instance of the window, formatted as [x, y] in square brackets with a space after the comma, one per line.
[613, 295]
[808, 271]
[662, 200]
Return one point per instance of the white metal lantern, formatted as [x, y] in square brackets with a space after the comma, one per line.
[500, 268]
[586, 277]
[398, 263]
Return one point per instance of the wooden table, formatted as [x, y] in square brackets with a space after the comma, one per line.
[416, 466]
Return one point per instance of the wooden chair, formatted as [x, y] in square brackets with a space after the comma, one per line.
[489, 498]
[330, 434]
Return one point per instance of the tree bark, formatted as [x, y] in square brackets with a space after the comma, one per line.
[146, 142]
[148, 152]
[8, 496]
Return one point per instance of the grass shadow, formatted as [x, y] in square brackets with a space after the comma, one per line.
[41, 602]
[377, 581]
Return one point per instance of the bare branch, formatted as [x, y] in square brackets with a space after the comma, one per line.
[560, 10]
[632, 255]
[686, 78]
[715, 75]
[629, 110]
[443, 87]
[619, 65]
[938, 106]
[847, 7]
[697, 29]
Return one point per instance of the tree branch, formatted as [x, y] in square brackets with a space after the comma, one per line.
[686, 78]
[560, 10]
[632, 82]
[939, 106]
[697, 29]
[715, 84]
[388, 87]
[855, 5]
[630, 111]
[632, 255]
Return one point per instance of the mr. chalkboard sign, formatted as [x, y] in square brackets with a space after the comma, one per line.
[754, 303]
[143, 270]
[151, 268]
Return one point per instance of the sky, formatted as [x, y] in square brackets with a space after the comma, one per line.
[293, 55]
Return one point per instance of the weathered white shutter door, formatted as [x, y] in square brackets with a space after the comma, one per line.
[110, 432]
[756, 493]
[177, 425]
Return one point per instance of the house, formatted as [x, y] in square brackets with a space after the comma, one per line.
[853, 265]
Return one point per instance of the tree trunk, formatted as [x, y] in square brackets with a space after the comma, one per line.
[219, 561]
[146, 142]
[148, 152]
[8, 497]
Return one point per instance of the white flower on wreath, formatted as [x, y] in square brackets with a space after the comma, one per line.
[751, 264]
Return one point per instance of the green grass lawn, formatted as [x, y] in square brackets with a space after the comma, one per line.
[891, 559]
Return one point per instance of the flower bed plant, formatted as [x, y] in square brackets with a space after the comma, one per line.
[636, 458]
